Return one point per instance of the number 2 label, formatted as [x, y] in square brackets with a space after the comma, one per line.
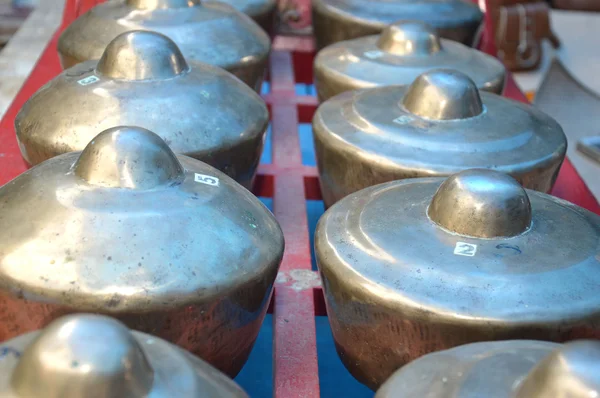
[465, 249]
[208, 180]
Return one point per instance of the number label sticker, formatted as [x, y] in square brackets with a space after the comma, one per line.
[465, 249]
[88, 80]
[404, 119]
[374, 54]
[208, 180]
[9, 351]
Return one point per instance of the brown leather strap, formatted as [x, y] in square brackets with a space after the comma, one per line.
[523, 22]
[520, 28]
[579, 5]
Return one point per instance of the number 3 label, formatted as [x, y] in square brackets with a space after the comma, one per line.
[208, 180]
[465, 249]
[374, 54]
[88, 80]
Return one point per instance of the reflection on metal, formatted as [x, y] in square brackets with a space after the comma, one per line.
[166, 244]
[397, 56]
[210, 32]
[338, 20]
[439, 125]
[517, 368]
[80, 356]
[474, 257]
[481, 204]
[143, 80]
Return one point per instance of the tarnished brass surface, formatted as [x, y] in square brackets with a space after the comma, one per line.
[507, 369]
[261, 11]
[397, 56]
[166, 244]
[338, 20]
[143, 80]
[439, 125]
[83, 356]
[211, 32]
[420, 265]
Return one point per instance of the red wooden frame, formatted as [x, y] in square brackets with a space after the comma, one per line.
[287, 181]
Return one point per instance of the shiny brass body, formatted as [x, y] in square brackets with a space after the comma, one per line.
[261, 11]
[211, 32]
[506, 369]
[166, 244]
[84, 356]
[439, 125]
[416, 266]
[143, 80]
[339, 20]
[397, 56]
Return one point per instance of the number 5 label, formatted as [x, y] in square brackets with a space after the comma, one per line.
[208, 180]
[465, 249]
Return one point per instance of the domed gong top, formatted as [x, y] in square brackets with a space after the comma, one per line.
[210, 32]
[439, 125]
[507, 369]
[166, 243]
[418, 265]
[398, 56]
[338, 20]
[80, 356]
[143, 80]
